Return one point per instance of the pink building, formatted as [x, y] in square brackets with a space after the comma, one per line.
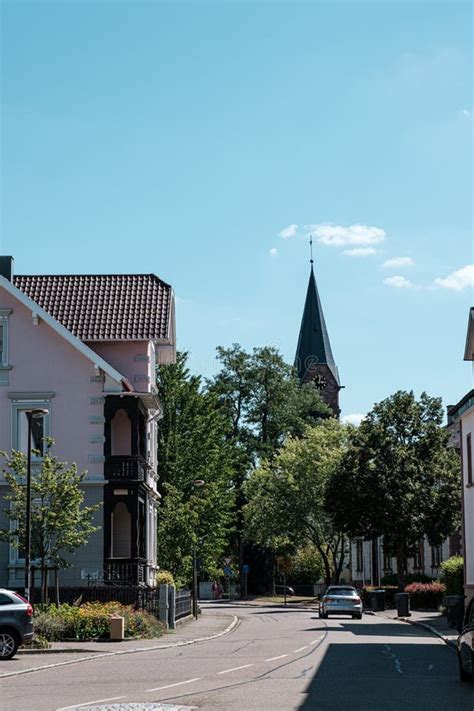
[86, 347]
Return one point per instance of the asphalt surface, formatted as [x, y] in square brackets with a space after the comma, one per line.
[275, 659]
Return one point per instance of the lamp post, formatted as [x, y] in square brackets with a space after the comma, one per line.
[197, 483]
[36, 414]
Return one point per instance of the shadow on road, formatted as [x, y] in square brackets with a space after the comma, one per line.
[366, 629]
[387, 676]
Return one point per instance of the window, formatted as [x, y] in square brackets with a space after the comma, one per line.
[4, 366]
[387, 560]
[3, 359]
[40, 428]
[469, 459]
[359, 555]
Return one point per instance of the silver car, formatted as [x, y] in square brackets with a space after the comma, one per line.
[340, 600]
[16, 623]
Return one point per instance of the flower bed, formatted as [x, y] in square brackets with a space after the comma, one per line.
[91, 621]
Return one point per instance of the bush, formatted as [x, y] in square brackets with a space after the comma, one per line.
[92, 620]
[164, 577]
[426, 595]
[452, 575]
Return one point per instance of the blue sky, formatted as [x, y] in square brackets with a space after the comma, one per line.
[185, 138]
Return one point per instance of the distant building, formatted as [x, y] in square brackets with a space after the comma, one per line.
[85, 347]
[314, 360]
[461, 422]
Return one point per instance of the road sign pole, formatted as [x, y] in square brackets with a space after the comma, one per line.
[284, 585]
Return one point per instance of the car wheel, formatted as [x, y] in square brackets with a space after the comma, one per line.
[357, 617]
[8, 645]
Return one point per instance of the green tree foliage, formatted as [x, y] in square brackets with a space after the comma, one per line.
[398, 478]
[263, 399]
[307, 565]
[192, 445]
[452, 575]
[60, 523]
[286, 496]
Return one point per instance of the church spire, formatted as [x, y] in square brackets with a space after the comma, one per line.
[314, 359]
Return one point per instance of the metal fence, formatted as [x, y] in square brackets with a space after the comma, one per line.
[183, 603]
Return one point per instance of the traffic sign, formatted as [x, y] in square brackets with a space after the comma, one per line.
[245, 569]
[228, 571]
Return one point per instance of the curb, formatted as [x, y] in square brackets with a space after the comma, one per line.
[98, 655]
[423, 625]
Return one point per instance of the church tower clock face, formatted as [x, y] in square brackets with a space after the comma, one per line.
[320, 381]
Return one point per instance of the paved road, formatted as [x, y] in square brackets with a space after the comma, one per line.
[276, 659]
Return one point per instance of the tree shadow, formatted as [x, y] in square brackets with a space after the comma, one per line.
[387, 676]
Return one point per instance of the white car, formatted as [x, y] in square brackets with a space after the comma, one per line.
[340, 600]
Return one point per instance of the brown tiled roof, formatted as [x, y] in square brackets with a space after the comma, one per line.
[104, 307]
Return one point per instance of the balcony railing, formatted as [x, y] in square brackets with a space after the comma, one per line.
[133, 468]
[124, 571]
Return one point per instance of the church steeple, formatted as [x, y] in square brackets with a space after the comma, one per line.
[314, 359]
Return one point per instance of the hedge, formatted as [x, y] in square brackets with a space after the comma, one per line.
[452, 575]
[426, 595]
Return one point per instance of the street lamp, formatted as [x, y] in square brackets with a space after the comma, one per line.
[197, 484]
[35, 414]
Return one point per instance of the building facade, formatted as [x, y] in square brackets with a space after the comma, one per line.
[85, 347]
[461, 422]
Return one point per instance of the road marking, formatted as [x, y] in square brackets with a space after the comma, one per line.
[430, 667]
[227, 671]
[315, 641]
[272, 659]
[300, 649]
[89, 703]
[169, 686]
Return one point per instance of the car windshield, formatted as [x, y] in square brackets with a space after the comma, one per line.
[341, 591]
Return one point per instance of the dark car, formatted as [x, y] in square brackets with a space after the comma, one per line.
[466, 645]
[16, 623]
[284, 590]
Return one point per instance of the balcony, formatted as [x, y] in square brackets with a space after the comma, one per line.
[124, 571]
[126, 468]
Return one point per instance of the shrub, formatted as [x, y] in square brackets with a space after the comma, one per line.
[164, 577]
[92, 620]
[425, 595]
[452, 575]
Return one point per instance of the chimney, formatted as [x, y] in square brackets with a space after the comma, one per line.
[6, 267]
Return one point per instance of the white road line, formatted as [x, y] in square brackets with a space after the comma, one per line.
[169, 686]
[227, 671]
[89, 703]
[300, 649]
[272, 659]
[315, 641]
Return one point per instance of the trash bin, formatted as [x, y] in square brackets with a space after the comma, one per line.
[454, 610]
[402, 601]
[377, 600]
[117, 628]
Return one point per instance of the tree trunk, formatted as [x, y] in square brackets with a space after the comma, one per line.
[401, 572]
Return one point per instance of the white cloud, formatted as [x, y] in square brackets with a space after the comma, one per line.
[398, 281]
[273, 252]
[465, 114]
[360, 252]
[399, 262]
[458, 280]
[340, 236]
[288, 232]
[354, 419]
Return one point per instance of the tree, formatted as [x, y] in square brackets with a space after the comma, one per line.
[60, 523]
[286, 496]
[398, 478]
[192, 445]
[307, 565]
[264, 403]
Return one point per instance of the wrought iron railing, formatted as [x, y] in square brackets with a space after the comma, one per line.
[124, 572]
[133, 468]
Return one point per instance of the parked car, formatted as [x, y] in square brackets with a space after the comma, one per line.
[16, 623]
[466, 645]
[340, 600]
[282, 589]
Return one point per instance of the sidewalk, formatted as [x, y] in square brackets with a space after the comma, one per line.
[432, 621]
[208, 624]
